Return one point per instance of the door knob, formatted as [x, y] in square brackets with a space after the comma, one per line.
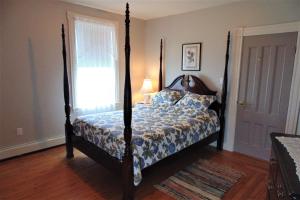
[242, 103]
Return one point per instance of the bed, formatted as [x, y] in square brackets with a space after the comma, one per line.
[157, 132]
[133, 139]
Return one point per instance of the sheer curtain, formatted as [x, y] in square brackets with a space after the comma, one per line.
[95, 66]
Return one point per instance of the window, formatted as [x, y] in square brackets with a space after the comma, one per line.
[94, 64]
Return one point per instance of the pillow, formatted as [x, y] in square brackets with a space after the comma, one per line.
[201, 102]
[166, 97]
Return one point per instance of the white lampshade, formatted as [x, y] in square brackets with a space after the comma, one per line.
[147, 86]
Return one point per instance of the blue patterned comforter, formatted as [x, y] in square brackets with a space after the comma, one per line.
[157, 132]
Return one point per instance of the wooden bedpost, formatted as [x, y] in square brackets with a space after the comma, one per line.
[127, 161]
[68, 125]
[224, 98]
[160, 66]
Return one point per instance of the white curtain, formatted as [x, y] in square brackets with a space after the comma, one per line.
[95, 68]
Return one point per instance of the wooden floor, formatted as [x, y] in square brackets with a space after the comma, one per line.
[48, 175]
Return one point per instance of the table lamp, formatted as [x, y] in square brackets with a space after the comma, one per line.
[147, 89]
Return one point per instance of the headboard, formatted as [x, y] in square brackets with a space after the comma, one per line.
[192, 84]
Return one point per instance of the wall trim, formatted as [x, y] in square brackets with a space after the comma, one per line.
[238, 34]
[237, 44]
[272, 29]
[21, 149]
[294, 102]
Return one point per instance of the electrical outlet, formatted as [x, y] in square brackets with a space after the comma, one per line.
[19, 131]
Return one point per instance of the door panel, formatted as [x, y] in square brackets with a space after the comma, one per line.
[265, 81]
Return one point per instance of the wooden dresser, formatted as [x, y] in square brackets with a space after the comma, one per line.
[283, 182]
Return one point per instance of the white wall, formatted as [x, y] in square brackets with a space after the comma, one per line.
[31, 93]
[32, 70]
[210, 27]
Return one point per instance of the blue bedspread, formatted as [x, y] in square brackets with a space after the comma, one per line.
[157, 132]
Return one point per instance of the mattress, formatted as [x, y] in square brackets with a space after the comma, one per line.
[157, 132]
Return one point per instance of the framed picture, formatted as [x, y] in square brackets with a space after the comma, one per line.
[191, 57]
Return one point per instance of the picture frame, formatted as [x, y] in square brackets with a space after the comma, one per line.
[191, 57]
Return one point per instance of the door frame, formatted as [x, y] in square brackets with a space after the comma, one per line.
[294, 103]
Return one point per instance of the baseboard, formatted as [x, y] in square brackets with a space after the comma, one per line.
[225, 147]
[18, 150]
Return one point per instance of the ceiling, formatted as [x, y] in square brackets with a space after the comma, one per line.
[149, 9]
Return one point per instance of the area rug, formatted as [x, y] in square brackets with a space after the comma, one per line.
[203, 180]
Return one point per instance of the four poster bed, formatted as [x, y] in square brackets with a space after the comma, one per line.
[148, 133]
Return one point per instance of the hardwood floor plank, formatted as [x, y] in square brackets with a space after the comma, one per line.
[49, 175]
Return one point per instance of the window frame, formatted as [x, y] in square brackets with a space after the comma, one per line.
[71, 17]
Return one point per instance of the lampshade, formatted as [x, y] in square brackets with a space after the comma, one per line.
[147, 86]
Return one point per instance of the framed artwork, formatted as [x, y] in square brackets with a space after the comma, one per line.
[191, 57]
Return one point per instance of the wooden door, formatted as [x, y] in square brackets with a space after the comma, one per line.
[264, 90]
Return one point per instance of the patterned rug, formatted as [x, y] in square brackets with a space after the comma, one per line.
[203, 180]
